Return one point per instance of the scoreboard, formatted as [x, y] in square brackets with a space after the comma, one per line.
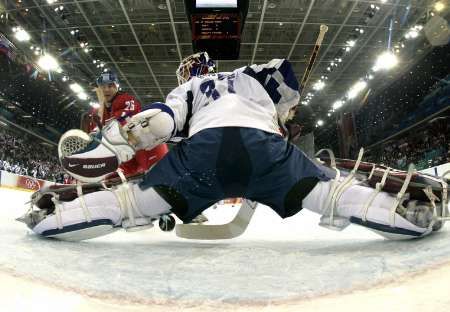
[216, 26]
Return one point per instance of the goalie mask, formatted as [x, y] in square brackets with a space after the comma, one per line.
[197, 64]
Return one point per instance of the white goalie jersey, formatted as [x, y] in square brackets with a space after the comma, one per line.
[261, 94]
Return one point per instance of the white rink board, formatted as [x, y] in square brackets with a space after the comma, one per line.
[439, 170]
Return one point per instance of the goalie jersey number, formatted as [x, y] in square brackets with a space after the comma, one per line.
[210, 89]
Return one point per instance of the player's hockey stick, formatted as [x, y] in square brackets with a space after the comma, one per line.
[234, 228]
[308, 70]
[312, 59]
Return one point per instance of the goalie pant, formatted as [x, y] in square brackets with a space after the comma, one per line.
[219, 163]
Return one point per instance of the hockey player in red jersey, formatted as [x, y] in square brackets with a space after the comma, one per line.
[120, 106]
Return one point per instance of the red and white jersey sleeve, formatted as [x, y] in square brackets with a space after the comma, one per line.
[123, 106]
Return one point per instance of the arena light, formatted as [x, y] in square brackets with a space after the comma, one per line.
[320, 122]
[75, 87]
[95, 105]
[82, 96]
[356, 89]
[338, 104]
[385, 61]
[48, 63]
[21, 34]
[319, 85]
[439, 6]
[351, 43]
[51, 1]
[413, 32]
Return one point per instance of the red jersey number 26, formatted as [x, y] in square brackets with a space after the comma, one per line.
[129, 105]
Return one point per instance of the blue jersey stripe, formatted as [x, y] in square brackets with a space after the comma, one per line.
[270, 84]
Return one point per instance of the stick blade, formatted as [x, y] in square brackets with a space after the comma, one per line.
[229, 230]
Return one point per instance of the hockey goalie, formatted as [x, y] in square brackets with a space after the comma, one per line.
[230, 145]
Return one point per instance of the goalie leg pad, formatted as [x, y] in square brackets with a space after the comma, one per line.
[350, 209]
[353, 198]
[98, 213]
[90, 216]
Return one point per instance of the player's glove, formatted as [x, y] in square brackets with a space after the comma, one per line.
[90, 158]
[149, 128]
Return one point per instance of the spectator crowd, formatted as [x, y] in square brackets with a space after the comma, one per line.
[426, 147]
[21, 154]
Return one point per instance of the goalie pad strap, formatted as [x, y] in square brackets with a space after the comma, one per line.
[395, 179]
[337, 189]
[378, 188]
[401, 194]
[83, 203]
[57, 204]
[129, 207]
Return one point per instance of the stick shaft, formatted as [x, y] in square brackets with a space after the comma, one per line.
[312, 59]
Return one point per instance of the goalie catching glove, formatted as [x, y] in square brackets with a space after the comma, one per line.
[90, 158]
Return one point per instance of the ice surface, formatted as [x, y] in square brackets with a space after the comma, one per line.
[274, 260]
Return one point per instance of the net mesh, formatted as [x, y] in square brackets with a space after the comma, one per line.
[71, 145]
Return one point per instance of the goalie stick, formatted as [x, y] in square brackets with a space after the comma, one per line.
[233, 229]
[312, 59]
